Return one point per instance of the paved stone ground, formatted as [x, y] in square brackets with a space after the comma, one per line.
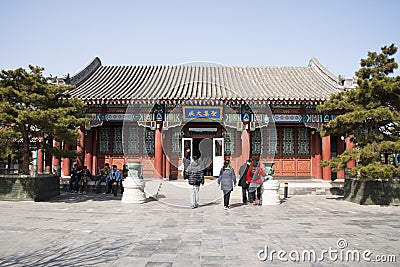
[100, 230]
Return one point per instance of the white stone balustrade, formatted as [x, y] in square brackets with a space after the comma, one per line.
[270, 194]
[134, 185]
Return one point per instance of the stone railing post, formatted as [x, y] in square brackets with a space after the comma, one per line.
[270, 194]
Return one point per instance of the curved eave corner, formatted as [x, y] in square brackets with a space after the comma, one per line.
[324, 72]
[78, 78]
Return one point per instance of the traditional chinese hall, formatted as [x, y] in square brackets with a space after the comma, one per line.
[152, 114]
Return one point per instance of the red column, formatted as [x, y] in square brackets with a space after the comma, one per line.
[245, 142]
[312, 152]
[89, 153]
[80, 147]
[350, 145]
[167, 147]
[94, 150]
[318, 156]
[340, 150]
[66, 163]
[40, 160]
[326, 155]
[158, 153]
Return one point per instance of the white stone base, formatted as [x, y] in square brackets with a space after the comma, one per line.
[270, 194]
[133, 191]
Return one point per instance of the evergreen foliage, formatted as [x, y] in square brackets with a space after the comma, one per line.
[369, 115]
[32, 107]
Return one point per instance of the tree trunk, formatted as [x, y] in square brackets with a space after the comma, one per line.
[25, 159]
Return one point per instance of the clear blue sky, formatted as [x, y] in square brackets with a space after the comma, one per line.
[63, 36]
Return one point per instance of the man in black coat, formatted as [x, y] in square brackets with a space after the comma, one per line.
[242, 180]
[195, 176]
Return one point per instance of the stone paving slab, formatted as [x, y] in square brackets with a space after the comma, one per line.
[100, 230]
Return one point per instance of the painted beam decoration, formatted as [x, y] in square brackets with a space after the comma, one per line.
[150, 113]
[202, 113]
[211, 114]
[294, 118]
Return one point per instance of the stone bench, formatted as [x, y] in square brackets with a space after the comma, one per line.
[91, 184]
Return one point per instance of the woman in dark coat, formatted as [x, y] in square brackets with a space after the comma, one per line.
[227, 180]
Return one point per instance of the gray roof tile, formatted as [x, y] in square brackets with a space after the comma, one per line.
[102, 84]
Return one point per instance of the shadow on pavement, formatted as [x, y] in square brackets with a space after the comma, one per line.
[66, 197]
[97, 252]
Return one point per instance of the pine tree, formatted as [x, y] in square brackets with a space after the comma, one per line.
[369, 115]
[32, 107]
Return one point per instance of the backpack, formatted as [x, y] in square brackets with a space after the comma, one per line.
[255, 176]
[253, 173]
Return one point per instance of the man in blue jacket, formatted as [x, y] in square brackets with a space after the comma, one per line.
[115, 178]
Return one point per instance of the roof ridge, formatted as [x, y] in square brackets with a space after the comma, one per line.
[204, 66]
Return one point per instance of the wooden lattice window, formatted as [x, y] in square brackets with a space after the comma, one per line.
[303, 142]
[288, 141]
[256, 142]
[176, 142]
[104, 140]
[229, 141]
[272, 141]
[117, 147]
[148, 141]
[133, 141]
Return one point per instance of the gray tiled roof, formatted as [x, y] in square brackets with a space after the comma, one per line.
[104, 84]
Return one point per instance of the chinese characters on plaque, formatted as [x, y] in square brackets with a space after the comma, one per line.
[214, 113]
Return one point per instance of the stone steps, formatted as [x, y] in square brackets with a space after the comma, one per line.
[312, 191]
[313, 187]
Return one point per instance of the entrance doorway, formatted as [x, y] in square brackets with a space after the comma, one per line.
[218, 155]
[210, 151]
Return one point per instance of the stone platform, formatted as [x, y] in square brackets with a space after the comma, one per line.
[99, 230]
[312, 186]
